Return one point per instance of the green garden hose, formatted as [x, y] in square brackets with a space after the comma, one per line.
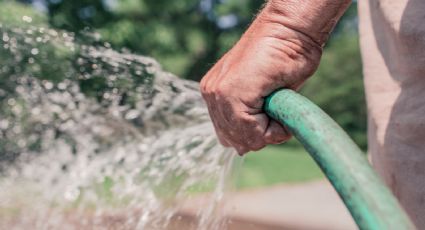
[369, 201]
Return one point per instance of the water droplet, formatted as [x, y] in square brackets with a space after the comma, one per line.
[72, 194]
[132, 114]
[34, 51]
[62, 86]
[5, 37]
[11, 102]
[4, 124]
[26, 19]
[48, 85]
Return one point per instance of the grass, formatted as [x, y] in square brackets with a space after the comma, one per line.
[288, 163]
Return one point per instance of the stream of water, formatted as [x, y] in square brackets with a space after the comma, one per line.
[92, 138]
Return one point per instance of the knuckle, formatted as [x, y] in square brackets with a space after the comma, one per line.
[205, 96]
[221, 91]
[203, 86]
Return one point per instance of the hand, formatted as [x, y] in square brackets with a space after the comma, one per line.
[269, 56]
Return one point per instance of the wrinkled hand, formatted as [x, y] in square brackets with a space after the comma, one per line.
[269, 56]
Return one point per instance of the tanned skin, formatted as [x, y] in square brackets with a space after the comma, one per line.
[281, 49]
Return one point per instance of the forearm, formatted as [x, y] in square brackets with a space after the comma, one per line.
[313, 18]
[293, 31]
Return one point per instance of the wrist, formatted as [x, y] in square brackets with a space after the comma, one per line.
[291, 56]
[314, 19]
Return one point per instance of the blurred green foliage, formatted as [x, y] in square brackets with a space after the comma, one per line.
[337, 86]
[12, 14]
[188, 36]
[274, 164]
[185, 36]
